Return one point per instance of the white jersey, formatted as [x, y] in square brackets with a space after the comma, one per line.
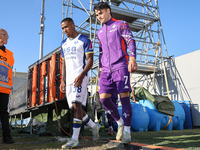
[73, 52]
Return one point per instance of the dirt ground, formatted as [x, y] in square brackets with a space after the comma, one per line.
[34, 142]
[179, 139]
[102, 144]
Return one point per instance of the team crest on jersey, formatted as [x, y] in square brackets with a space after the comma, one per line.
[75, 42]
[101, 31]
[114, 26]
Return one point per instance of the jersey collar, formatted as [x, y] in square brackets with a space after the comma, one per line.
[3, 48]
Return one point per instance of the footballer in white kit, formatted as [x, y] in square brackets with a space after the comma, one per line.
[73, 52]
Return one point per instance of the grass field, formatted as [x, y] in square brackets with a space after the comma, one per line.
[185, 139]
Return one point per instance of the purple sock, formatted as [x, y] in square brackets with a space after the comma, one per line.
[126, 110]
[111, 121]
[111, 108]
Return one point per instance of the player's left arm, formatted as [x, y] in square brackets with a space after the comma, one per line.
[132, 65]
[128, 36]
[78, 81]
[89, 56]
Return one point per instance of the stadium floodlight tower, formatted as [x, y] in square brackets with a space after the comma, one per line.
[42, 18]
[144, 21]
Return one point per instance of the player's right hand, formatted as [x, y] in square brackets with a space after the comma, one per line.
[62, 87]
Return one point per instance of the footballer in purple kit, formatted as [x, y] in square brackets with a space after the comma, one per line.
[114, 38]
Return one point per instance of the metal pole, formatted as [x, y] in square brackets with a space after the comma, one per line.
[71, 8]
[15, 121]
[159, 45]
[65, 15]
[161, 29]
[90, 3]
[31, 128]
[42, 18]
[21, 121]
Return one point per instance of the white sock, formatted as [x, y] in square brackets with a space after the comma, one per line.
[85, 117]
[127, 129]
[120, 121]
[90, 122]
[76, 131]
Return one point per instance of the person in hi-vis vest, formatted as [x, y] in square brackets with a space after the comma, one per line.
[6, 65]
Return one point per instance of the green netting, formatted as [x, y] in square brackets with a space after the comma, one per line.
[142, 94]
[162, 103]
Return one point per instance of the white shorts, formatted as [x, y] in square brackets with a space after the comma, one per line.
[77, 94]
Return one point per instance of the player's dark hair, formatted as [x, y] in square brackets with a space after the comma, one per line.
[68, 20]
[102, 5]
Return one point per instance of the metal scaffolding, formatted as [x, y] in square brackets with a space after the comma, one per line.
[144, 21]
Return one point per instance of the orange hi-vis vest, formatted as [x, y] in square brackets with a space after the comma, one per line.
[6, 65]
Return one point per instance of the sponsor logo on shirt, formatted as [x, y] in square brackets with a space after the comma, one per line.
[72, 57]
[101, 31]
[70, 50]
[77, 96]
[113, 28]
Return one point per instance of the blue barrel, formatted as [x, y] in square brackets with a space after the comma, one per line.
[140, 117]
[179, 116]
[160, 121]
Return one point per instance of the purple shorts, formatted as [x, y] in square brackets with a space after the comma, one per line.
[118, 80]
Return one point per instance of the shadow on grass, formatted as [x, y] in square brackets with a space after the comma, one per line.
[24, 141]
[185, 139]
